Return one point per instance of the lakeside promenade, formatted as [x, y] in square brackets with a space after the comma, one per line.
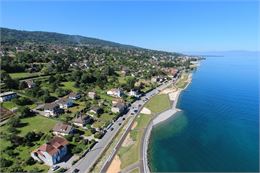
[155, 121]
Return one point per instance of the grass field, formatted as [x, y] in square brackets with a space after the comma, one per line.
[69, 86]
[159, 103]
[131, 154]
[8, 105]
[37, 123]
[183, 81]
[23, 75]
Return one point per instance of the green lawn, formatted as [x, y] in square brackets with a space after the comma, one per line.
[69, 86]
[8, 105]
[183, 81]
[129, 155]
[38, 124]
[159, 103]
[23, 75]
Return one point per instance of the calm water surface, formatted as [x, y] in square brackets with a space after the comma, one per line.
[218, 128]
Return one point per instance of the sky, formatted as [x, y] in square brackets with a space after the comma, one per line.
[180, 26]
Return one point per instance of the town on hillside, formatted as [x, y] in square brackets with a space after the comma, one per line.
[60, 98]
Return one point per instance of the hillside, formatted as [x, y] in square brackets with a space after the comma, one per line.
[12, 36]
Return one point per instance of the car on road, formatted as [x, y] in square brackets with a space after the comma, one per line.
[119, 124]
[132, 113]
[75, 170]
[123, 119]
[112, 129]
[54, 168]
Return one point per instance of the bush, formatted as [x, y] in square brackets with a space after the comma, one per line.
[30, 161]
[98, 135]
[76, 150]
[5, 163]
[25, 112]
[14, 122]
[69, 137]
[22, 101]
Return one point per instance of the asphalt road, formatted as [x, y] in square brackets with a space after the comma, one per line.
[84, 165]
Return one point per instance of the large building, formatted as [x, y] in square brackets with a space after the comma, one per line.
[6, 96]
[52, 152]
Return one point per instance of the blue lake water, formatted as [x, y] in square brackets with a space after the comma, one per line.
[218, 127]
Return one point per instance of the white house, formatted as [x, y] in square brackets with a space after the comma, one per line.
[65, 103]
[74, 95]
[81, 120]
[52, 109]
[92, 95]
[118, 107]
[51, 152]
[134, 93]
[62, 129]
[115, 92]
[6, 96]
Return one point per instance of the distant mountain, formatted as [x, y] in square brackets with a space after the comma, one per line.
[12, 36]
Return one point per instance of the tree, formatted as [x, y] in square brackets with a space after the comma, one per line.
[21, 101]
[22, 85]
[98, 135]
[76, 138]
[32, 136]
[14, 122]
[16, 140]
[76, 149]
[130, 83]
[5, 163]
[30, 161]
[25, 112]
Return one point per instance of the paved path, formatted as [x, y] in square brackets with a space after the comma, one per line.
[131, 167]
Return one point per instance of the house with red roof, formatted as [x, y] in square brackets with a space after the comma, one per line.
[51, 152]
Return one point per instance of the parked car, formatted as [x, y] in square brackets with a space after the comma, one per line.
[54, 168]
[75, 170]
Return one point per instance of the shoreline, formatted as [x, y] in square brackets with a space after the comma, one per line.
[163, 116]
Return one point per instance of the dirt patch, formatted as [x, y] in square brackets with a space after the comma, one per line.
[145, 111]
[168, 90]
[173, 95]
[115, 165]
[128, 141]
[134, 125]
